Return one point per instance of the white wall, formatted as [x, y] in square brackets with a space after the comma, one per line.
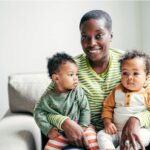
[145, 25]
[30, 31]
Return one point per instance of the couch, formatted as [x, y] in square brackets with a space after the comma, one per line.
[18, 130]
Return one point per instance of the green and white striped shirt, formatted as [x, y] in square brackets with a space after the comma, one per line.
[98, 86]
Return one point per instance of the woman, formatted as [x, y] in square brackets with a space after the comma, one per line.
[98, 73]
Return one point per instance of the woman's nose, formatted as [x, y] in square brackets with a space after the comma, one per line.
[92, 42]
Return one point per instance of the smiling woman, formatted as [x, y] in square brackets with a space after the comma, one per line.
[98, 73]
[98, 67]
[99, 70]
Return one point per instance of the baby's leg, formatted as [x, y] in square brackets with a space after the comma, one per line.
[90, 138]
[107, 141]
[57, 143]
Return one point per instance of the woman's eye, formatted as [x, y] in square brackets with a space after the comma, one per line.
[99, 36]
[83, 37]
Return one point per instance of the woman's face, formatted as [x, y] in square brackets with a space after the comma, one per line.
[95, 39]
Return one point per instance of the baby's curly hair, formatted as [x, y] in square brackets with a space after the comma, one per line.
[56, 60]
[130, 54]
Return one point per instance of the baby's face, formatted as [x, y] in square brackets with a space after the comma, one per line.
[67, 78]
[133, 74]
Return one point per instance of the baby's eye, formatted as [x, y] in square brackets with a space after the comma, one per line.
[136, 73]
[125, 73]
[70, 74]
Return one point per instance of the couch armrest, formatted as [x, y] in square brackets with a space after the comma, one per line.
[20, 125]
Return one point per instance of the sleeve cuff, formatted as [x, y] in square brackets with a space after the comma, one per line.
[144, 118]
[56, 120]
[61, 121]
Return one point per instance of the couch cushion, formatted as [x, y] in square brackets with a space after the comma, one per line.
[25, 89]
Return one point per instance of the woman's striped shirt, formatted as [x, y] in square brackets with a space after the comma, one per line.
[98, 86]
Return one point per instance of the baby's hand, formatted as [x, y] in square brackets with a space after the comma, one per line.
[84, 128]
[53, 133]
[110, 128]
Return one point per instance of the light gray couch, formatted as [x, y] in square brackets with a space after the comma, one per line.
[18, 130]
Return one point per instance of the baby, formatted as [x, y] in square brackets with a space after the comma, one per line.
[126, 99]
[66, 99]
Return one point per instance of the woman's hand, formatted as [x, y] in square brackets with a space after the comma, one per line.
[74, 132]
[130, 135]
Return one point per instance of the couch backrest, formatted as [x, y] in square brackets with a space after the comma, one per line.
[25, 90]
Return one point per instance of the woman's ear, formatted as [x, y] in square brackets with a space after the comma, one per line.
[111, 36]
